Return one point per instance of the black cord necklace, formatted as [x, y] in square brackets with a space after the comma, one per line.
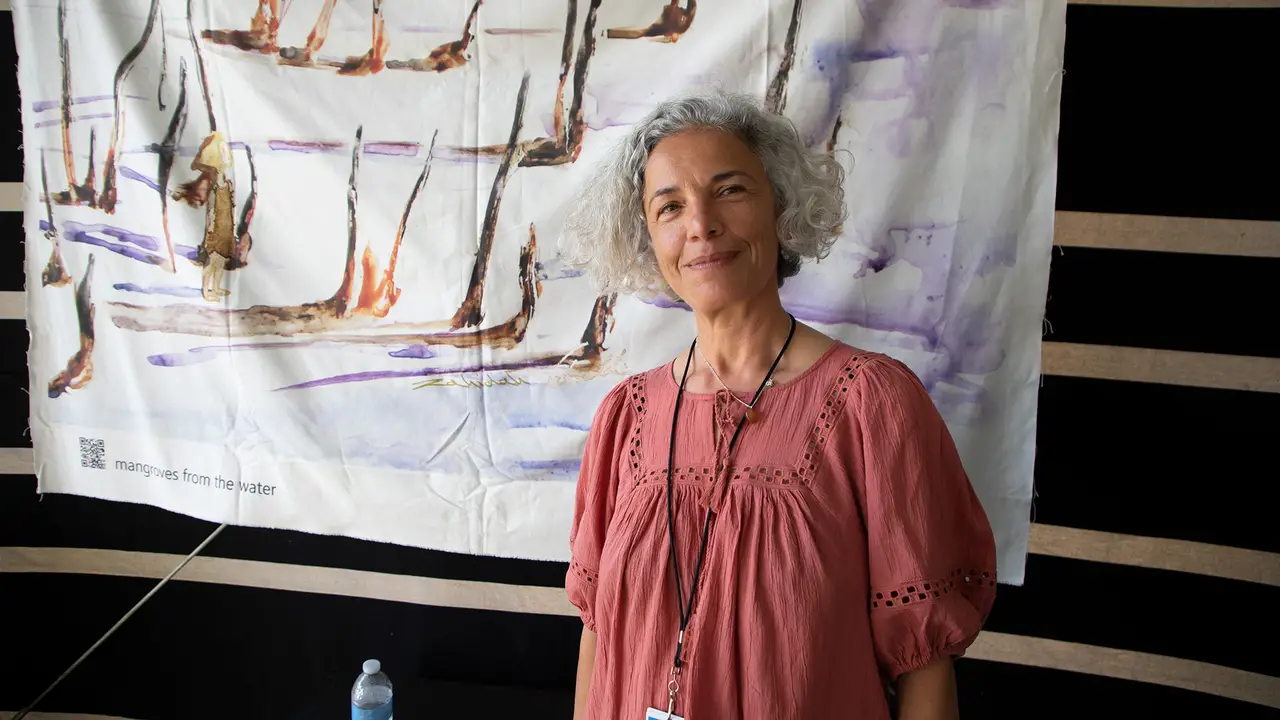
[686, 610]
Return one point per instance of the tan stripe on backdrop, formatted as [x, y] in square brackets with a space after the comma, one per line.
[1168, 367]
[13, 305]
[1208, 236]
[1128, 665]
[16, 461]
[1157, 553]
[10, 194]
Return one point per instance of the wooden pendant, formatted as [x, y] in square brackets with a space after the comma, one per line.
[752, 414]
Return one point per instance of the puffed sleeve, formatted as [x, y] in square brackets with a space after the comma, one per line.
[931, 553]
[594, 499]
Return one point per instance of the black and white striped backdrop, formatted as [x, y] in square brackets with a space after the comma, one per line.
[1153, 585]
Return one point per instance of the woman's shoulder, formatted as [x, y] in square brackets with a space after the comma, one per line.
[883, 386]
[631, 394]
[841, 363]
[847, 372]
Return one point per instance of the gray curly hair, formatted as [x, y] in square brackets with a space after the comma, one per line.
[606, 233]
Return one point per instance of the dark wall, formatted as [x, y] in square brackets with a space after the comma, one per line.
[1164, 112]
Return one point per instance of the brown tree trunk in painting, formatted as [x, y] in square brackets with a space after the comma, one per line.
[55, 271]
[386, 293]
[776, 98]
[315, 39]
[469, 313]
[342, 298]
[511, 333]
[566, 60]
[374, 60]
[88, 188]
[564, 146]
[320, 33]
[674, 22]
[835, 134]
[244, 240]
[266, 23]
[164, 65]
[447, 56]
[201, 75]
[75, 194]
[68, 159]
[107, 201]
[598, 326]
[79, 369]
[261, 35]
[585, 51]
[166, 153]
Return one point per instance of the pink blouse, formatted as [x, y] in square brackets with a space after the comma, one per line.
[847, 545]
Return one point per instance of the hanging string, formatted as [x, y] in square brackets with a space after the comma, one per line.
[24, 711]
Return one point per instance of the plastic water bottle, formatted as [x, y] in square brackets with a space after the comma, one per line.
[371, 695]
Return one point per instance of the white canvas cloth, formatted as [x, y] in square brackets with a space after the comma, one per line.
[240, 378]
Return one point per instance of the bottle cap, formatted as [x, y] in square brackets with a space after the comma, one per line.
[372, 667]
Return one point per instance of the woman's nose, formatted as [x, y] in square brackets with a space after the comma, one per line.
[704, 221]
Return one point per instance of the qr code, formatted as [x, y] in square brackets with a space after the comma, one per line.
[93, 453]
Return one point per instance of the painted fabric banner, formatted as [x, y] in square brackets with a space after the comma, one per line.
[291, 263]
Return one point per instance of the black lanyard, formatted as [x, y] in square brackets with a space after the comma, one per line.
[685, 611]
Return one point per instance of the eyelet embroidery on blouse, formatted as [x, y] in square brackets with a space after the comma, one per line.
[705, 475]
[768, 475]
[695, 474]
[587, 576]
[921, 591]
[832, 406]
[638, 401]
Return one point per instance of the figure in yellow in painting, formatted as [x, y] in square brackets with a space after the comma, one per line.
[224, 247]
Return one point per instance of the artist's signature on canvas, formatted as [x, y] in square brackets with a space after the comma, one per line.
[481, 381]
[612, 365]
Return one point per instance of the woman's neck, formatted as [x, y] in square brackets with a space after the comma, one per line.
[743, 341]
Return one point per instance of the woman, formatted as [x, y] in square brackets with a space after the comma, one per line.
[774, 524]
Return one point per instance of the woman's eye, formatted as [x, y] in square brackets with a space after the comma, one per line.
[669, 207]
[731, 190]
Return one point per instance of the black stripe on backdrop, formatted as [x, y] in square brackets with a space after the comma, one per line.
[1169, 301]
[13, 423]
[207, 651]
[1157, 460]
[13, 349]
[991, 690]
[1193, 617]
[10, 113]
[1167, 112]
[13, 383]
[12, 260]
[249, 652]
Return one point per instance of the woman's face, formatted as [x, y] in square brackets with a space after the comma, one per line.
[710, 211]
